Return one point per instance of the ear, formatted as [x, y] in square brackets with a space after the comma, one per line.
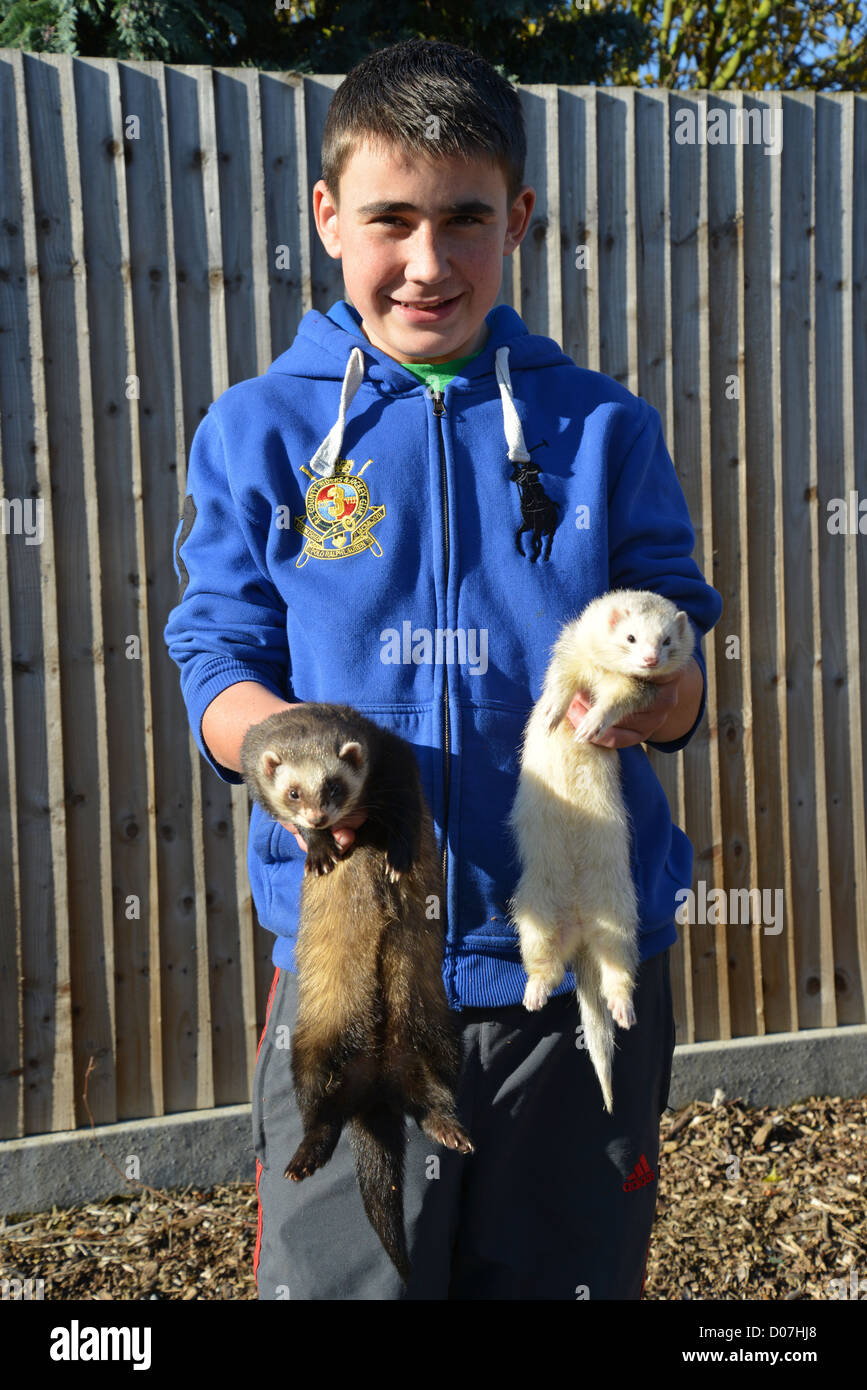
[615, 616]
[682, 620]
[269, 763]
[352, 753]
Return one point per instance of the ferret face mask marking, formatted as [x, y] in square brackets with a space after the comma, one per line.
[304, 797]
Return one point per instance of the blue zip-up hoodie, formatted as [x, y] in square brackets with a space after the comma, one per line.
[349, 535]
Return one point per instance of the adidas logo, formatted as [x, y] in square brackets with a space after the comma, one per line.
[640, 1176]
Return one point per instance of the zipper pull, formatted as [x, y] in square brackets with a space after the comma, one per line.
[439, 403]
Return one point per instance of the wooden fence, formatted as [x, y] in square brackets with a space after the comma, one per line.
[142, 208]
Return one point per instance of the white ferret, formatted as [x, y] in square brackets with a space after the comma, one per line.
[575, 901]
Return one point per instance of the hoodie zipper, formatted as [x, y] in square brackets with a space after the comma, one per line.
[439, 411]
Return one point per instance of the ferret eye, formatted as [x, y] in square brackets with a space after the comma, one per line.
[630, 637]
[667, 642]
[333, 790]
[293, 793]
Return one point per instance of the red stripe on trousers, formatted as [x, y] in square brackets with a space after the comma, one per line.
[258, 1164]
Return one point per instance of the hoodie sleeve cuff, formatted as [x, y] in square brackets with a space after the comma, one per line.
[205, 685]
[675, 745]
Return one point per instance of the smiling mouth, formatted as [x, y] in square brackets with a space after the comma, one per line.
[424, 303]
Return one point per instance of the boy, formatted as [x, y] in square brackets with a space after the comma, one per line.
[410, 437]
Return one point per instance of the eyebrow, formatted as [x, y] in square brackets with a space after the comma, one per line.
[472, 205]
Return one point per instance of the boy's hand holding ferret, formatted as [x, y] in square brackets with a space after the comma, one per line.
[684, 689]
[343, 831]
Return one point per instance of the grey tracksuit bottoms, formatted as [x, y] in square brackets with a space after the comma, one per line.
[557, 1202]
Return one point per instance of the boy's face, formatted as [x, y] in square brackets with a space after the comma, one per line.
[403, 242]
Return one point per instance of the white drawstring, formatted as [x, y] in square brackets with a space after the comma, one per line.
[511, 419]
[325, 459]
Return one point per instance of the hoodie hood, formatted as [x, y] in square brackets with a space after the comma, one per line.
[321, 350]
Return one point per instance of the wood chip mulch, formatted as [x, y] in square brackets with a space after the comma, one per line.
[753, 1204]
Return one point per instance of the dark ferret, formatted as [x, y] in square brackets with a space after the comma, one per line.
[374, 1038]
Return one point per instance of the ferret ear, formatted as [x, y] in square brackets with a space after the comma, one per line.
[352, 753]
[269, 763]
[615, 616]
[681, 618]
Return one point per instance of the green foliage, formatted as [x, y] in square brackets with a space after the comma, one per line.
[755, 44]
[815, 44]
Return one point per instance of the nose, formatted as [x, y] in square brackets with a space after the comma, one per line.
[650, 659]
[318, 820]
[426, 262]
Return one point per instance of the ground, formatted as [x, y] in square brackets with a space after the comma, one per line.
[753, 1204]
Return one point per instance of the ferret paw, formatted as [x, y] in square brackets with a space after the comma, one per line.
[302, 1165]
[590, 727]
[318, 867]
[398, 861]
[622, 1011]
[535, 995]
[448, 1132]
[321, 860]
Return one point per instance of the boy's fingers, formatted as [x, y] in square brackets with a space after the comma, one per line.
[343, 832]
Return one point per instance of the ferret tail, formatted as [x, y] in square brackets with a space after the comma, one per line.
[597, 1023]
[378, 1140]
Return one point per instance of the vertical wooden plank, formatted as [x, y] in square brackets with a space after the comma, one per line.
[833, 262]
[725, 275]
[288, 213]
[763, 566]
[541, 290]
[244, 252]
[651, 236]
[576, 269]
[326, 275]
[47, 1018]
[630, 239]
[743, 934]
[16, 432]
[125, 604]
[57, 193]
[797, 393]
[612, 118]
[764, 301]
[594, 241]
[203, 378]
[177, 783]
[699, 979]
[850, 917]
[243, 248]
[856, 574]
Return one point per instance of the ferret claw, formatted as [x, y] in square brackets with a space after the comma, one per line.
[535, 995]
[622, 1012]
[589, 728]
[450, 1134]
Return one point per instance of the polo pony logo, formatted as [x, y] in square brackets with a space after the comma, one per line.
[339, 516]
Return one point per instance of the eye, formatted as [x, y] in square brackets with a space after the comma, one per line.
[293, 793]
[667, 642]
[630, 637]
[333, 791]
[391, 219]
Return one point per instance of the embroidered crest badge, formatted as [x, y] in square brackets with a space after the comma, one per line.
[339, 515]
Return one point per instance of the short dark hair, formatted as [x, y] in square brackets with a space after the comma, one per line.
[391, 95]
